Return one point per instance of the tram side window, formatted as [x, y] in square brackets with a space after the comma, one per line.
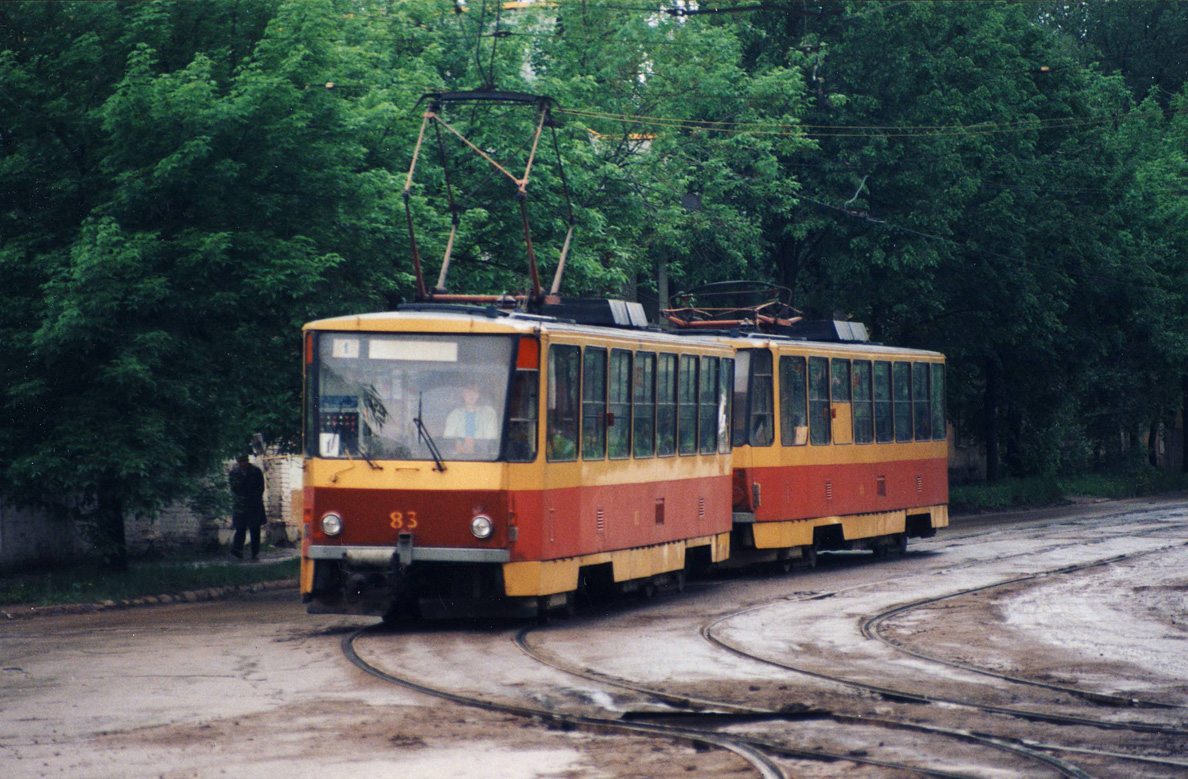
[708, 405]
[938, 402]
[619, 406]
[725, 405]
[742, 375]
[884, 419]
[666, 409]
[645, 404]
[762, 400]
[564, 388]
[903, 401]
[820, 414]
[793, 401]
[687, 405]
[863, 403]
[521, 436]
[594, 404]
[920, 387]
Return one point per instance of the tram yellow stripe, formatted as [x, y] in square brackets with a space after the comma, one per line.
[799, 532]
[549, 577]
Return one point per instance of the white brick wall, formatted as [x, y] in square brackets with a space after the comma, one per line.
[28, 536]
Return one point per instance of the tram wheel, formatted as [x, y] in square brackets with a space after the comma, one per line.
[543, 614]
[809, 555]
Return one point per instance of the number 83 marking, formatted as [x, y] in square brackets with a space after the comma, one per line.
[404, 520]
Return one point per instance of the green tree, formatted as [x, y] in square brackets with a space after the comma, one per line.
[185, 191]
[1144, 41]
[951, 202]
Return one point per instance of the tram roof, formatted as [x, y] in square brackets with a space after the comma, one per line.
[475, 319]
[760, 340]
[453, 318]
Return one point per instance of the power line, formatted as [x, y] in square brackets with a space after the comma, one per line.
[864, 131]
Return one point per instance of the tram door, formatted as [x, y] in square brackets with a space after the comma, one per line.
[562, 390]
[843, 415]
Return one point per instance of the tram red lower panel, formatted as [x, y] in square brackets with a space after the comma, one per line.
[549, 524]
[589, 519]
[805, 491]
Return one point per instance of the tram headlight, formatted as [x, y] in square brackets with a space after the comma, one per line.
[481, 527]
[331, 524]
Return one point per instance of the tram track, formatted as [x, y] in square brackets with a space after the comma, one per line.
[754, 750]
[713, 708]
[701, 717]
[764, 766]
[909, 696]
[687, 706]
[870, 628]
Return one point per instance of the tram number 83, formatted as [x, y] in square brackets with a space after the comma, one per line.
[403, 521]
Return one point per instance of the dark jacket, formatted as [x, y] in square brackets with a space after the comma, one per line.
[247, 495]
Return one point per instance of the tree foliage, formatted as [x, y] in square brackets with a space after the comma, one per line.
[182, 185]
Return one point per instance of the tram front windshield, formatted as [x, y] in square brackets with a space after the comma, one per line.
[387, 396]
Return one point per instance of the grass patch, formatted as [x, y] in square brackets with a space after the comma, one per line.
[89, 583]
[1049, 491]
[1006, 493]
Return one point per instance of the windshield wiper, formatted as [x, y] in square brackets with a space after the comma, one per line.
[423, 435]
[367, 457]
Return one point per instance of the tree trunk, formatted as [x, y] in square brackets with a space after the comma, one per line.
[662, 284]
[1184, 423]
[990, 420]
[109, 523]
[1153, 443]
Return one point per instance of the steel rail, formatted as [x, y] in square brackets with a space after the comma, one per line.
[870, 628]
[707, 632]
[763, 765]
[687, 701]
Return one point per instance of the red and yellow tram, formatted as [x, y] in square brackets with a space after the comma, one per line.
[469, 460]
[464, 460]
[837, 445]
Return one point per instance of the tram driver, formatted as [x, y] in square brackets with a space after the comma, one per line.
[474, 425]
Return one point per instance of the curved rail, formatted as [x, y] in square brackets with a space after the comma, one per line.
[707, 632]
[870, 629]
[762, 764]
[682, 701]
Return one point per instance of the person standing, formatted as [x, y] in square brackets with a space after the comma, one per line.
[247, 504]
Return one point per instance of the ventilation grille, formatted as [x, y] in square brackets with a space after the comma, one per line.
[828, 490]
[660, 511]
[700, 507]
[881, 486]
[601, 519]
[919, 484]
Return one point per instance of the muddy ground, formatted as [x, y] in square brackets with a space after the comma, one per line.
[254, 687]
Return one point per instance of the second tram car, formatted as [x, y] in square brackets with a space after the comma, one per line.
[837, 445]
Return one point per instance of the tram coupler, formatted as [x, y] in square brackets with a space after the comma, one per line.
[404, 551]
